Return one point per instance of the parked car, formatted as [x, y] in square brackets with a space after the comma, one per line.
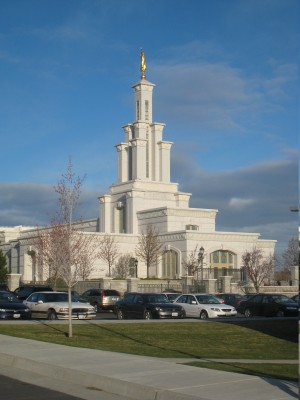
[172, 295]
[295, 298]
[76, 296]
[232, 299]
[103, 299]
[23, 292]
[11, 307]
[268, 305]
[147, 306]
[247, 296]
[55, 305]
[204, 306]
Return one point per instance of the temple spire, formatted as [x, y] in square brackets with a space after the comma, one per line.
[143, 65]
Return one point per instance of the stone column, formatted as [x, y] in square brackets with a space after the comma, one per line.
[210, 285]
[132, 284]
[225, 282]
[295, 275]
[13, 281]
[187, 282]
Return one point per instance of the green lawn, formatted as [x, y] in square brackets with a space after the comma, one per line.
[245, 339]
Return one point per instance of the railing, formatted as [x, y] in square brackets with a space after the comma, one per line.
[159, 287]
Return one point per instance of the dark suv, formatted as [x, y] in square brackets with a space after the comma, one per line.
[23, 292]
[232, 299]
[103, 299]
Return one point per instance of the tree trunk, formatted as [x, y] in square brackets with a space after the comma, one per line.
[70, 312]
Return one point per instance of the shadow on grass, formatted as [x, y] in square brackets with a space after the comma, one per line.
[150, 345]
[281, 328]
[104, 329]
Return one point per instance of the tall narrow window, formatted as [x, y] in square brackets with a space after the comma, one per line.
[170, 264]
[146, 110]
[137, 110]
[122, 220]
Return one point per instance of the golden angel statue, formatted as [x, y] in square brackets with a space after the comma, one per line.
[143, 65]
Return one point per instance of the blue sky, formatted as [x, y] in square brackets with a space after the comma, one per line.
[226, 75]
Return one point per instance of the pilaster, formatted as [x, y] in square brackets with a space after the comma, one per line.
[139, 159]
[122, 150]
[105, 213]
[164, 157]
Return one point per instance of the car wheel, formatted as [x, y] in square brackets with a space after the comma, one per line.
[52, 315]
[248, 313]
[203, 315]
[147, 315]
[120, 314]
[280, 313]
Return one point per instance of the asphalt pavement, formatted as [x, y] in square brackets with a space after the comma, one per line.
[89, 374]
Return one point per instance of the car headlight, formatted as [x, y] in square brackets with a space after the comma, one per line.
[64, 309]
[215, 309]
[3, 310]
[157, 309]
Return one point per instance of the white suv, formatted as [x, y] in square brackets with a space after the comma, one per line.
[54, 305]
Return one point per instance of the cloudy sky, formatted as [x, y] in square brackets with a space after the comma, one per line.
[226, 75]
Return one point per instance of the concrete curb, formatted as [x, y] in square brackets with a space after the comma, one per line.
[93, 381]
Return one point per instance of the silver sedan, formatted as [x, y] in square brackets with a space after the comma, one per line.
[199, 305]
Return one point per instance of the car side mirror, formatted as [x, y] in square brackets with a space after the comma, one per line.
[194, 302]
[40, 302]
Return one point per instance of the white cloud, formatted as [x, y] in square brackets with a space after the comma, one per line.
[254, 199]
[239, 203]
[35, 204]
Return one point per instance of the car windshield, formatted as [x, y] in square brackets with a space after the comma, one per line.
[172, 296]
[6, 296]
[282, 299]
[156, 298]
[58, 298]
[208, 300]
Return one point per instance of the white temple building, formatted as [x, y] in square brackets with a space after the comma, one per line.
[143, 195]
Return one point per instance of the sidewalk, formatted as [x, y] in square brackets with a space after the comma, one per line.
[134, 377]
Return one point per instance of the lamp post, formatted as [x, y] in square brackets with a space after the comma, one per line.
[200, 262]
[136, 261]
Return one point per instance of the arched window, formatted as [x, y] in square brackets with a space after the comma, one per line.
[170, 264]
[222, 263]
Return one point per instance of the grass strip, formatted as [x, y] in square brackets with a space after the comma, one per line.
[269, 340]
[277, 371]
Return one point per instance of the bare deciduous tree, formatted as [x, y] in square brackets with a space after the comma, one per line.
[191, 263]
[258, 268]
[291, 254]
[109, 251]
[123, 266]
[61, 248]
[149, 247]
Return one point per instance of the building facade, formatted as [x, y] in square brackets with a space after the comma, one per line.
[144, 195]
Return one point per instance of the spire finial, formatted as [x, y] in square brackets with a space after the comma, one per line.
[143, 64]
